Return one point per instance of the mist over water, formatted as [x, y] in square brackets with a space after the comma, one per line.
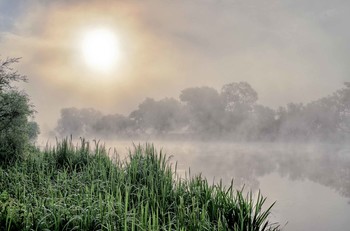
[310, 182]
[297, 155]
[180, 84]
[204, 113]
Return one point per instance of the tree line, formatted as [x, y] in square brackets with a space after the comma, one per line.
[205, 113]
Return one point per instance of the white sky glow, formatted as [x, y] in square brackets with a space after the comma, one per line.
[100, 49]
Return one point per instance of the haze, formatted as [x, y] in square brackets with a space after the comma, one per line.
[289, 51]
[255, 91]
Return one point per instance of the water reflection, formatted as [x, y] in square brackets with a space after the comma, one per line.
[245, 163]
[298, 176]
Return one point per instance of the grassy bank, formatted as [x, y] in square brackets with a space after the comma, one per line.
[80, 188]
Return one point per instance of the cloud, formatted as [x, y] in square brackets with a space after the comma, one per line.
[280, 48]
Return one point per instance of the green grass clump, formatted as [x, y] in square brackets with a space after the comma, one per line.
[77, 188]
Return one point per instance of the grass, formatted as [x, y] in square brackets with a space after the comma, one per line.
[80, 188]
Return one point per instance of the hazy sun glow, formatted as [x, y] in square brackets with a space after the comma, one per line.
[100, 49]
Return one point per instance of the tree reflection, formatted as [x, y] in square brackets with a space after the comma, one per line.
[325, 165]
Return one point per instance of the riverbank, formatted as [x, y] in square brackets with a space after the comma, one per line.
[80, 188]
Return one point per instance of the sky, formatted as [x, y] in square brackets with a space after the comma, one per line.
[287, 50]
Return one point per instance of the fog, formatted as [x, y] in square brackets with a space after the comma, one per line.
[256, 92]
[232, 136]
[288, 51]
[309, 182]
[297, 155]
[229, 114]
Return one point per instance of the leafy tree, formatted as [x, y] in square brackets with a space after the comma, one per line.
[343, 101]
[238, 100]
[238, 96]
[161, 116]
[77, 122]
[329, 117]
[15, 109]
[205, 109]
[111, 125]
[33, 130]
[261, 124]
[292, 123]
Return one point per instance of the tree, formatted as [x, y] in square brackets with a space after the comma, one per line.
[15, 109]
[261, 124]
[112, 125]
[33, 131]
[238, 100]
[292, 122]
[8, 76]
[238, 96]
[330, 116]
[161, 116]
[343, 101]
[205, 109]
[77, 122]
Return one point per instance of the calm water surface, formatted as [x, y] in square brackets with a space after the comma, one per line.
[309, 182]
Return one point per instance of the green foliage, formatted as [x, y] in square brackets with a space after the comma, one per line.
[79, 188]
[67, 156]
[14, 112]
[33, 130]
[13, 125]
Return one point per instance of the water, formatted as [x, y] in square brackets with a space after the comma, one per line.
[309, 182]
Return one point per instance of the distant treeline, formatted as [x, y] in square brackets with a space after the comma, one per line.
[205, 113]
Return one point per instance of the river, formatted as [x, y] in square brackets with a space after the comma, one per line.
[309, 182]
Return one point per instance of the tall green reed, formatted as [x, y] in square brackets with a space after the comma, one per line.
[70, 187]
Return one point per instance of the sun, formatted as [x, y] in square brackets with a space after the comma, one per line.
[100, 49]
